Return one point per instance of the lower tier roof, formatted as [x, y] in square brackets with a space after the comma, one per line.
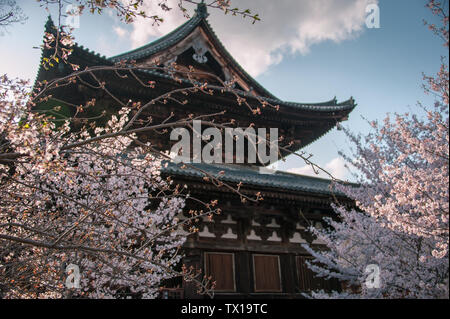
[254, 176]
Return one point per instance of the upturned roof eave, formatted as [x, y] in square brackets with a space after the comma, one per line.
[189, 26]
[276, 180]
[327, 106]
[178, 34]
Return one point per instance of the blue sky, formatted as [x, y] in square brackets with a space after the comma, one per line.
[307, 51]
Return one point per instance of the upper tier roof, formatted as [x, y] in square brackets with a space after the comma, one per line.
[199, 21]
[206, 38]
[161, 46]
[197, 36]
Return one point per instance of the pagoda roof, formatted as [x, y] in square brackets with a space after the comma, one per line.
[314, 118]
[177, 35]
[199, 19]
[254, 176]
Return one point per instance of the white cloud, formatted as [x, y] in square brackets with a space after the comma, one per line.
[287, 27]
[121, 32]
[336, 167]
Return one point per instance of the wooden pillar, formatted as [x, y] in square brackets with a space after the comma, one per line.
[243, 273]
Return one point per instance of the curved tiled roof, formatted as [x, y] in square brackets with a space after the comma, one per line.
[179, 34]
[330, 106]
[255, 176]
[162, 43]
[183, 31]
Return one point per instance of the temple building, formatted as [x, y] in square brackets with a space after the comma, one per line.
[252, 250]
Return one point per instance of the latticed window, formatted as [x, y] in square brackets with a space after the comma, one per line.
[266, 271]
[220, 266]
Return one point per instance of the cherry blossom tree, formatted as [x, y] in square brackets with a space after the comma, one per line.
[126, 10]
[400, 221]
[100, 205]
[10, 13]
[92, 197]
[78, 197]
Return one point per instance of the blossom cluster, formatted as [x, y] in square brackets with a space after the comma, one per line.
[100, 204]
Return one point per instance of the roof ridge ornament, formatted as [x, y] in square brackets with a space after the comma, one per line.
[200, 50]
[202, 10]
